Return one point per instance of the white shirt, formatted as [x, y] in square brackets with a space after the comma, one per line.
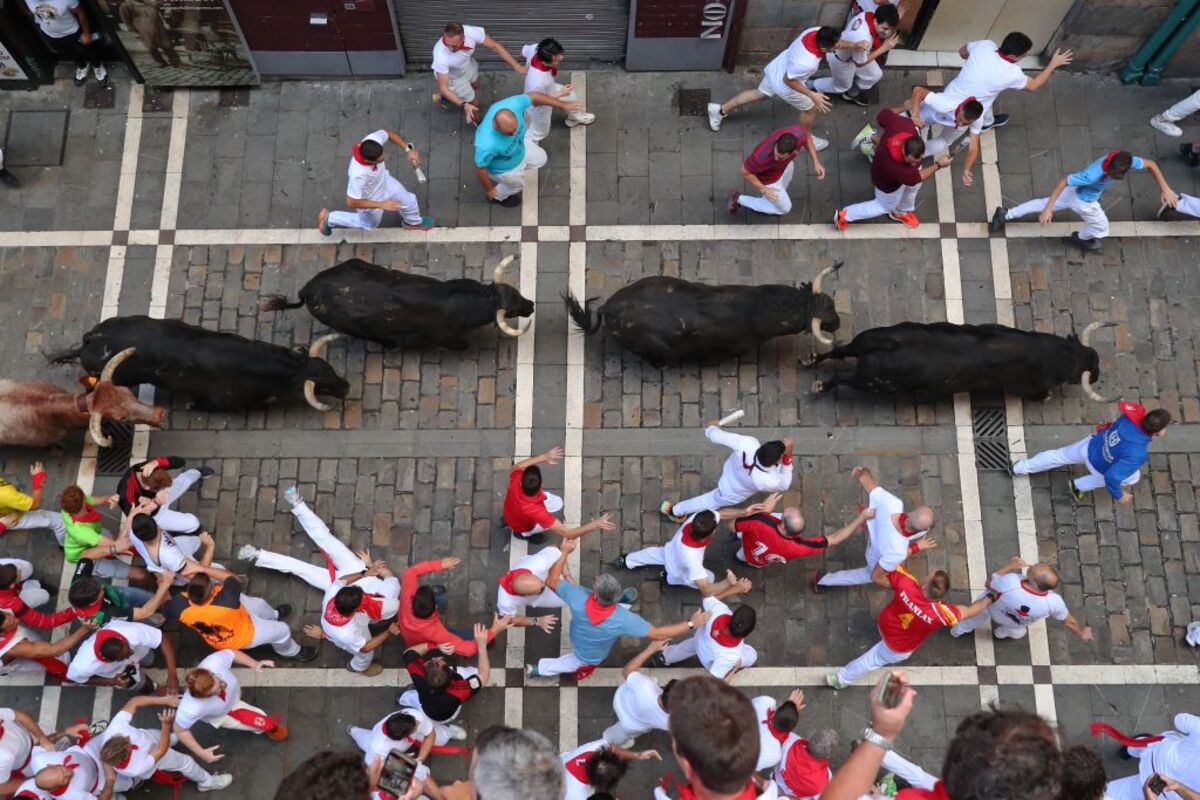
[56, 18]
[682, 561]
[797, 62]
[857, 30]
[87, 778]
[716, 657]
[170, 557]
[454, 62]
[141, 759]
[576, 789]
[1019, 606]
[192, 709]
[636, 703]
[769, 750]
[368, 181]
[886, 546]
[537, 80]
[538, 564]
[142, 638]
[739, 480]
[939, 109]
[16, 745]
[984, 76]
[354, 634]
[381, 744]
[1177, 756]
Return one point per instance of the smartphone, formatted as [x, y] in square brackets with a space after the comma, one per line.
[890, 690]
[398, 771]
[1157, 784]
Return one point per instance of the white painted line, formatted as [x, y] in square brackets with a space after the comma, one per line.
[174, 174]
[511, 233]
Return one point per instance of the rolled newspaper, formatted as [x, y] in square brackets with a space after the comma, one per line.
[734, 417]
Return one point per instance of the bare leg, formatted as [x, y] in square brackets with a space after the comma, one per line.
[741, 99]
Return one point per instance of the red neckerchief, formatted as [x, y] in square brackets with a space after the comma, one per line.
[1027, 586]
[71, 765]
[537, 63]
[876, 42]
[938, 792]
[1136, 412]
[464, 46]
[221, 694]
[88, 514]
[597, 613]
[749, 793]
[577, 766]
[509, 578]
[780, 736]
[959, 108]
[904, 531]
[92, 610]
[371, 605]
[1105, 164]
[1009, 59]
[1103, 728]
[809, 42]
[125, 762]
[895, 145]
[691, 541]
[358, 156]
[584, 672]
[719, 633]
[103, 636]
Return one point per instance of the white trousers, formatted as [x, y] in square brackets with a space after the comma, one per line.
[1090, 212]
[877, 657]
[441, 728]
[513, 182]
[1002, 627]
[273, 632]
[906, 770]
[674, 653]
[1184, 108]
[169, 519]
[709, 501]
[369, 218]
[618, 734]
[460, 84]
[539, 116]
[566, 663]
[175, 761]
[844, 74]
[1188, 205]
[900, 201]
[553, 504]
[936, 145]
[40, 518]
[764, 206]
[1072, 454]
[850, 577]
[32, 593]
[229, 723]
[657, 557]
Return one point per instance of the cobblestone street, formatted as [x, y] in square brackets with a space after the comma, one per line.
[197, 210]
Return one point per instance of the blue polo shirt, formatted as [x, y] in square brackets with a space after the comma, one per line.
[499, 152]
[592, 642]
[1091, 182]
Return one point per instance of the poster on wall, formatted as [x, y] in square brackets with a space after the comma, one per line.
[10, 68]
[181, 42]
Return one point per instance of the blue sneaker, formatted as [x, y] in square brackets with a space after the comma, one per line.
[292, 496]
[628, 596]
[425, 224]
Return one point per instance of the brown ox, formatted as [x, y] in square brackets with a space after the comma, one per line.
[41, 414]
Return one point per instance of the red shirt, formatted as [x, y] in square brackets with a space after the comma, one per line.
[888, 172]
[10, 600]
[804, 775]
[430, 630]
[906, 622]
[522, 512]
[762, 163]
[763, 544]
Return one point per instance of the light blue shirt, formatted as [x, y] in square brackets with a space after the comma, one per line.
[592, 642]
[499, 152]
[1091, 182]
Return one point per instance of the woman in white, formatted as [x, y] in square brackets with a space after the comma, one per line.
[214, 695]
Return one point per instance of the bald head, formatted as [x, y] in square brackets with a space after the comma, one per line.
[53, 777]
[505, 121]
[1043, 576]
[793, 522]
[527, 584]
[920, 519]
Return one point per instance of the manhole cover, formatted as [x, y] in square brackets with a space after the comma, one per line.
[36, 138]
[991, 439]
[114, 460]
[694, 102]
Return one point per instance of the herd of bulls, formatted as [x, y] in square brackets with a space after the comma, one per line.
[664, 320]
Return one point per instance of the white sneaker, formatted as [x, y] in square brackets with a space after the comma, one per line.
[248, 552]
[819, 143]
[586, 118]
[455, 732]
[715, 116]
[216, 782]
[81, 74]
[101, 73]
[292, 496]
[1162, 125]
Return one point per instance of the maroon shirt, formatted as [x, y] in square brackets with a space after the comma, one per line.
[762, 163]
[887, 173]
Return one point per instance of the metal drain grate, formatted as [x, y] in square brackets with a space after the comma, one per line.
[114, 460]
[693, 102]
[990, 427]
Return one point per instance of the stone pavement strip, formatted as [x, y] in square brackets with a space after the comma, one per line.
[191, 209]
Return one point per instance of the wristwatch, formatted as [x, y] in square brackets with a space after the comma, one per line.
[409, 146]
[691, 625]
[870, 735]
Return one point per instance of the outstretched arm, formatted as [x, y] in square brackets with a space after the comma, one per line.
[502, 51]
[1059, 59]
[846, 531]
[638, 661]
[551, 456]
[1167, 194]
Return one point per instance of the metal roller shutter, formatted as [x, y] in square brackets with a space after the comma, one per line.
[592, 31]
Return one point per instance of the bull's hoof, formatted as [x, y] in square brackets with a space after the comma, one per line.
[818, 387]
[809, 359]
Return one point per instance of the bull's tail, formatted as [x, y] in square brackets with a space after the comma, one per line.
[65, 356]
[277, 302]
[584, 318]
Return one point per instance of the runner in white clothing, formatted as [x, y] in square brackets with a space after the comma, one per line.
[749, 469]
[639, 703]
[19, 733]
[525, 585]
[928, 108]
[357, 597]
[371, 189]
[408, 730]
[136, 753]
[115, 655]
[75, 773]
[775, 723]
[455, 69]
[214, 695]
[542, 61]
[1173, 755]
[720, 644]
[1021, 597]
[853, 70]
[893, 535]
[683, 555]
[1165, 122]
[597, 767]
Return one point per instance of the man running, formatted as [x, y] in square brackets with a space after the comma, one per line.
[455, 69]
[371, 189]
[1022, 595]
[214, 695]
[503, 150]
[542, 61]
[769, 169]
[853, 70]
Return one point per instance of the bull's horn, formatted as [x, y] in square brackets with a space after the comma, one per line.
[498, 273]
[819, 334]
[110, 368]
[816, 286]
[317, 350]
[94, 429]
[507, 329]
[1086, 381]
[1094, 326]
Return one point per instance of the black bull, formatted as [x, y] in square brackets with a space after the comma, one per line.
[382, 305]
[672, 320]
[217, 371]
[944, 358]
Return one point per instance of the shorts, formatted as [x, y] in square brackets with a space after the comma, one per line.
[460, 84]
[798, 101]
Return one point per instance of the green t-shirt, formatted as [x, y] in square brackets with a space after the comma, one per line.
[81, 535]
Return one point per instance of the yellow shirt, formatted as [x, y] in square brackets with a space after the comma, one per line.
[13, 500]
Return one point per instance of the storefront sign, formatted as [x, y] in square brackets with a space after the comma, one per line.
[714, 14]
[181, 42]
[10, 69]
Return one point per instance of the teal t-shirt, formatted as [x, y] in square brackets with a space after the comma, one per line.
[499, 152]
